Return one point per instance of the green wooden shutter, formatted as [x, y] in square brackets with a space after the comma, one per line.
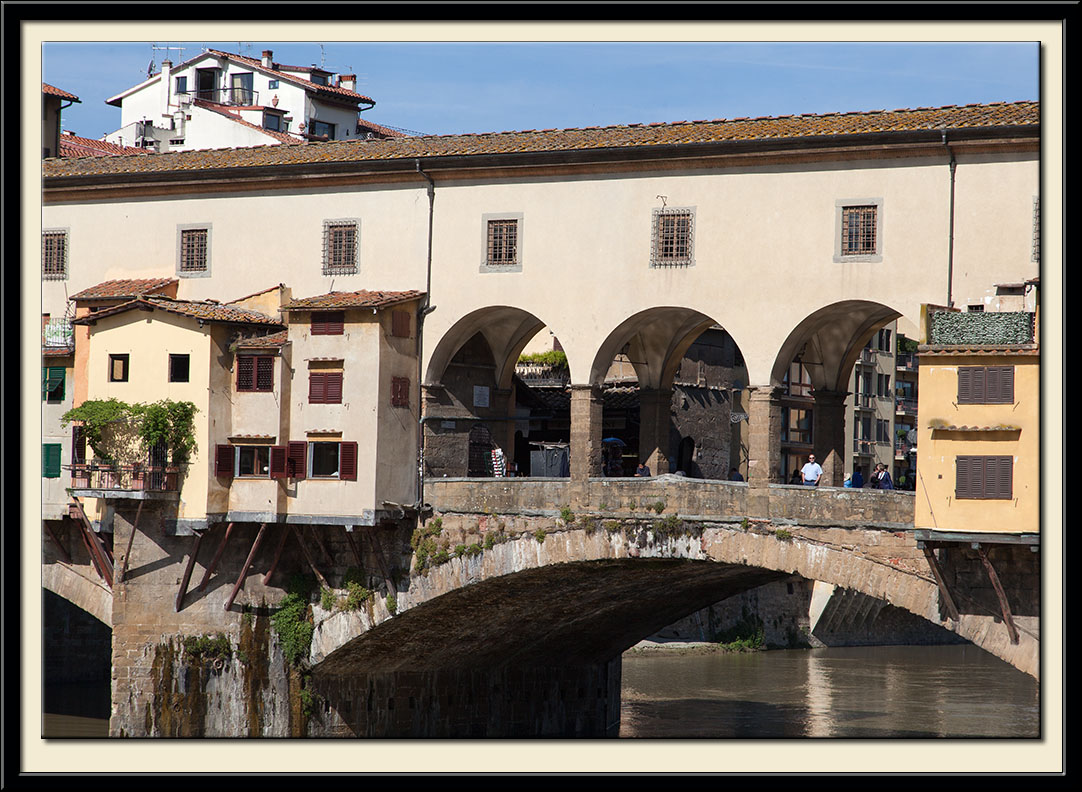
[50, 460]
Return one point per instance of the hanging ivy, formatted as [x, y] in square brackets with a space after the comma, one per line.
[109, 424]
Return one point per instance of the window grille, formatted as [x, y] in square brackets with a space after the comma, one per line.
[193, 250]
[54, 255]
[673, 238]
[340, 248]
[255, 372]
[858, 230]
[502, 243]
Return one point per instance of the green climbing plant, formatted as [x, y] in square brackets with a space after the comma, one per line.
[119, 432]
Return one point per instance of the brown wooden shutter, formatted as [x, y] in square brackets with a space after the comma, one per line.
[278, 458]
[400, 324]
[297, 459]
[332, 387]
[347, 461]
[999, 472]
[400, 392]
[245, 372]
[963, 477]
[328, 322]
[1000, 384]
[223, 460]
[316, 389]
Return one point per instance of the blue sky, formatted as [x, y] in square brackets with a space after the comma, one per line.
[449, 87]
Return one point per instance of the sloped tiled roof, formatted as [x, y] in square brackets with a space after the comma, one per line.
[357, 299]
[52, 90]
[838, 126]
[275, 69]
[263, 342]
[207, 311]
[116, 289]
[363, 125]
[222, 110]
[75, 146]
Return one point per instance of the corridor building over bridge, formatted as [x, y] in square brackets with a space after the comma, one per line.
[793, 240]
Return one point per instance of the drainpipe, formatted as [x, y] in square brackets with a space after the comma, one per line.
[426, 308]
[950, 236]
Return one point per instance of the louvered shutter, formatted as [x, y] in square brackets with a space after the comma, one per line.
[278, 458]
[223, 460]
[347, 461]
[50, 460]
[332, 387]
[965, 385]
[998, 477]
[317, 388]
[297, 459]
[245, 373]
[1000, 384]
[264, 375]
[400, 324]
[963, 477]
[328, 322]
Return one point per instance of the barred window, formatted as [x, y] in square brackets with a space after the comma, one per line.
[502, 243]
[54, 255]
[255, 372]
[673, 238]
[858, 230]
[194, 252]
[340, 247]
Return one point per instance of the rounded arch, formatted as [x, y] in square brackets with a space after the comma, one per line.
[829, 342]
[84, 593]
[506, 330]
[657, 339]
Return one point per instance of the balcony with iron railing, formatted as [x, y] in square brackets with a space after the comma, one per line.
[903, 448]
[57, 335]
[863, 447]
[906, 362]
[239, 97]
[868, 356]
[905, 405]
[137, 481]
[542, 374]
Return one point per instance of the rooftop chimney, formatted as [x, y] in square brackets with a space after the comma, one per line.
[268, 56]
[166, 86]
[347, 81]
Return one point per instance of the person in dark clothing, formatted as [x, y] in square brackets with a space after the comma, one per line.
[734, 475]
[858, 479]
[882, 480]
[643, 470]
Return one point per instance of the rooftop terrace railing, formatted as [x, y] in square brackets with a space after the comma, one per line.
[124, 478]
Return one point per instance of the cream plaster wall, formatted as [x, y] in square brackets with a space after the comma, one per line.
[935, 505]
[54, 497]
[397, 428]
[149, 339]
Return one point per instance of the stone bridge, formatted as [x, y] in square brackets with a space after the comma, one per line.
[548, 598]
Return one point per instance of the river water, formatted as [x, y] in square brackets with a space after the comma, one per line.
[879, 691]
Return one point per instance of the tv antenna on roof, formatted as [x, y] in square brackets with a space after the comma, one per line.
[154, 49]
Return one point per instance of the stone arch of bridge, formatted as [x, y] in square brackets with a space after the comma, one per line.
[87, 594]
[585, 596]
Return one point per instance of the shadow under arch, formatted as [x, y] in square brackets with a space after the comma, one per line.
[506, 330]
[657, 339]
[829, 342]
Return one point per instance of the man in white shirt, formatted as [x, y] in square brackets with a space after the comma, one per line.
[811, 472]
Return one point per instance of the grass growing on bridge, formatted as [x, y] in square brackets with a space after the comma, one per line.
[292, 621]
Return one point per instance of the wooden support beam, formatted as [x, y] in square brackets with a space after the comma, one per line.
[65, 556]
[1008, 619]
[944, 592]
[311, 562]
[247, 565]
[322, 547]
[217, 557]
[277, 554]
[131, 539]
[102, 561]
[383, 564]
[355, 549]
[188, 572]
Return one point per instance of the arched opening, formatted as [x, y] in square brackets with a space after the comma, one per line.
[672, 382]
[77, 667]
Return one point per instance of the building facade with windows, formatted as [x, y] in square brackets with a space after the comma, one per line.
[221, 99]
[639, 237]
[979, 426]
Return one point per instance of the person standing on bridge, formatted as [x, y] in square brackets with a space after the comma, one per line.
[811, 472]
[882, 477]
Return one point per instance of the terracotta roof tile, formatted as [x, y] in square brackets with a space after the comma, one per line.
[270, 341]
[75, 146]
[286, 75]
[114, 289]
[52, 90]
[357, 299]
[631, 136]
[207, 311]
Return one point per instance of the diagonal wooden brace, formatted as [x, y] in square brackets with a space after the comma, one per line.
[217, 557]
[944, 592]
[188, 572]
[1008, 619]
[247, 565]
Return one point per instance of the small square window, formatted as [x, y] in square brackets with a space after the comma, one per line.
[502, 244]
[52, 384]
[325, 387]
[400, 392]
[118, 368]
[255, 373]
[193, 251]
[272, 121]
[321, 129]
[859, 230]
[672, 238]
[54, 255]
[324, 460]
[179, 366]
[182, 85]
[272, 83]
[253, 461]
[340, 247]
[328, 322]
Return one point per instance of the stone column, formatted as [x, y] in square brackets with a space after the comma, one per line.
[655, 413]
[828, 435]
[764, 435]
[586, 412]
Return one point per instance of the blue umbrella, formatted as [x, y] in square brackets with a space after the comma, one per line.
[614, 441]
